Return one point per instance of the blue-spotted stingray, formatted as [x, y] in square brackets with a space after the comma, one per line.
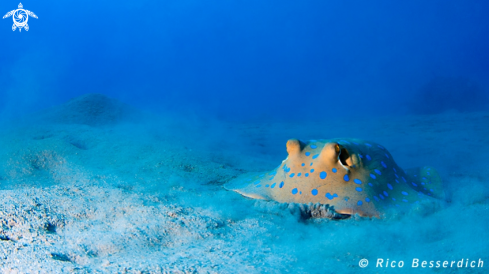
[351, 176]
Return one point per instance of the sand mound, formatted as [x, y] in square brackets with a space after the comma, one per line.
[442, 94]
[91, 109]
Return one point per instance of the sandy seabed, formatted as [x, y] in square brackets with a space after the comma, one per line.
[96, 186]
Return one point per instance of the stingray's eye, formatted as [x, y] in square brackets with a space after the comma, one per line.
[337, 148]
[345, 158]
[294, 146]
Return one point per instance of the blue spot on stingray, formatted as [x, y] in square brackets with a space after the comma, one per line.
[423, 183]
[393, 199]
[308, 153]
[404, 200]
[307, 174]
[300, 192]
[299, 174]
[396, 176]
[375, 197]
[346, 178]
[404, 179]
[394, 169]
[368, 144]
[431, 190]
[383, 164]
[311, 164]
[377, 171]
[331, 197]
[397, 181]
[414, 184]
[373, 176]
[257, 182]
[368, 157]
[355, 143]
[258, 186]
[334, 170]
[314, 192]
[357, 181]
[312, 170]
[381, 197]
[385, 193]
[359, 189]
[381, 147]
[359, 203]
[273, 173]
[367, 200]
[424, 178]
[315, 156]
[370, 184]
[404, 193]
[267, 185]
[281, 184]
[312, 141]
[389, 186]
[313, 146]
[294, 191]
[273, 185]
[292, 175]
[360, 155]
[261, 175]
[303, 164]
[386, 155]
[347, 198]
[323, 175]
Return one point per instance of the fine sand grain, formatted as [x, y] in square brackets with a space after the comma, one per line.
[95, 186]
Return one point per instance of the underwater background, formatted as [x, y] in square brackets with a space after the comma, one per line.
[247, 59]
[120, 122]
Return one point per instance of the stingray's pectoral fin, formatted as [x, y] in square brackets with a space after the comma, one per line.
[249, 186]
[252, 194]
[427, 181]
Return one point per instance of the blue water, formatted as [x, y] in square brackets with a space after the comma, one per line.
[202, 92]
[244, 59]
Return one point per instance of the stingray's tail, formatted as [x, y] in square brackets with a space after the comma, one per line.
[428, 181]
